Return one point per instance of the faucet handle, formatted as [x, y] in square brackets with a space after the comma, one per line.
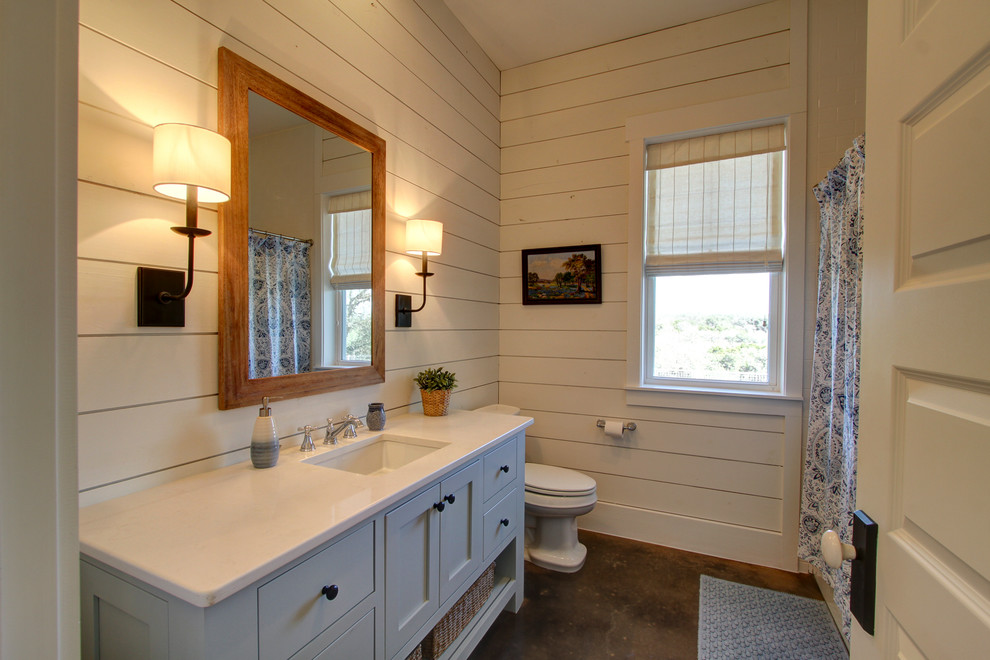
[307, 443]
[353, 424]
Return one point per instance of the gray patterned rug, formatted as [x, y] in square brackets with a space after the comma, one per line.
[739, 621]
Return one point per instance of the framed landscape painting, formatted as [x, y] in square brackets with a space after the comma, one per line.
[562, 275]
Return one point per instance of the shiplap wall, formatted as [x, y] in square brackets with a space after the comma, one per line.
[722, 481]
[405, 69]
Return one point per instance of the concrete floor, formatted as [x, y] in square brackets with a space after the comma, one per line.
[631, 600]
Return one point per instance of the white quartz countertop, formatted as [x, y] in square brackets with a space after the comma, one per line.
[205, 537]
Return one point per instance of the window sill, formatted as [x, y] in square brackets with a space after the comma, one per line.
[714, 399]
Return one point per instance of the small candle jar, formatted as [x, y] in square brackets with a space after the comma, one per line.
[376, 416]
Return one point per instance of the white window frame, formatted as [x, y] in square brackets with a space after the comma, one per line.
[704, 119]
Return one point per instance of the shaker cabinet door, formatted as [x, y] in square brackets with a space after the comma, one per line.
[119, 620]
[411, 567]
[461, 543]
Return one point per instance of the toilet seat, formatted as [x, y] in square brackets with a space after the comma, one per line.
[559, 507]
[557, 482]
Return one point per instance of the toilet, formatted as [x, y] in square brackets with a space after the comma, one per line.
[554, 497]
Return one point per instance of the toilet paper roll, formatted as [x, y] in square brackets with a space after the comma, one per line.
[613, 429]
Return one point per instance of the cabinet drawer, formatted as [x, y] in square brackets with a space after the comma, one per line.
[357, 643]
[500, 468]
[292, 608]
[501, 521]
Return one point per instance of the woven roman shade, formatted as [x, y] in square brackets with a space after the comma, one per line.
[715, 203]
[350, 264]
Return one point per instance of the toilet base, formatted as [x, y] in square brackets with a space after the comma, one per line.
[554, 545]
[570, 563]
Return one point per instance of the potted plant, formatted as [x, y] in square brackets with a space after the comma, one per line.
[435, 386]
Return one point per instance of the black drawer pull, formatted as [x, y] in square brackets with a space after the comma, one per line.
[331, 591]
[504, 468]
[449, 499]
[440, 506]
[504, 522]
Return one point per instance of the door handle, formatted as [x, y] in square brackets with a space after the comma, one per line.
[863, 555]
[835, 551]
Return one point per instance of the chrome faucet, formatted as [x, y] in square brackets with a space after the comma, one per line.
[307, 443]
[348, 426]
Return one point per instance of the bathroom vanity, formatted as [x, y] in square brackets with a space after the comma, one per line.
[355, 551]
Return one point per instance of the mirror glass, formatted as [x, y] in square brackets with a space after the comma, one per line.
[301, 243]
[309, 245]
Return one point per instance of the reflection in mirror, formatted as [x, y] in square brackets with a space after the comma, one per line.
[302, 254]
[309, 245]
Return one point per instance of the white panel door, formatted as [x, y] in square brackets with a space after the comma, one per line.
[924, 455]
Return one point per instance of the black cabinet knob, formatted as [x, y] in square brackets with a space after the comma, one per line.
[331, 591]
[440, 506]
[505, 522]
[449, 499]
[504, 468]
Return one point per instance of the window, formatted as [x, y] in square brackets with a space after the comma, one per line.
[713, 259]
[347, 280]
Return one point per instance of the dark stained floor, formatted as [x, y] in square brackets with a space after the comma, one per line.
[631, 600]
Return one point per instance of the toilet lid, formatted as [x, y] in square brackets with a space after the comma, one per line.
[551, 480]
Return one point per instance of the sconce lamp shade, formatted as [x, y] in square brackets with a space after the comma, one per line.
[186, 155]
[424, 237]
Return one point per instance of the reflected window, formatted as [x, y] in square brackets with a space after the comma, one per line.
[347, 284]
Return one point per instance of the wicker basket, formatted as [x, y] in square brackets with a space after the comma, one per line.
[417, 653]
[435, 403]
[457, 618]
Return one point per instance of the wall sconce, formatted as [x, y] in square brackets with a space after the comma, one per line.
[192, 164]
[423, 237]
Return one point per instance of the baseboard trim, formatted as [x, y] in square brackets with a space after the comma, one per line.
[716, 539]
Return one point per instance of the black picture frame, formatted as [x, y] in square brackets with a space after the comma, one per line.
[546, 280]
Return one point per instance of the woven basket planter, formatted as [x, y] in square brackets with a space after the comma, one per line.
[457, 618]
[435, 403]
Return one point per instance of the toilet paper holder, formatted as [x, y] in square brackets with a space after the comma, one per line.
[626, 426]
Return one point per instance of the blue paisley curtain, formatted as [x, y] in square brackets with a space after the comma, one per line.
[278, 305]
[828, 496]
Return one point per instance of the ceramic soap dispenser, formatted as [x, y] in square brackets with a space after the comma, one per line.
[264, 439]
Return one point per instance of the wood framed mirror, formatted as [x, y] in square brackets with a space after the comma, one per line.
[307, 186]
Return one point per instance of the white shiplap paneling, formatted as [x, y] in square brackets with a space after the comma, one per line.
[709, 480]
[401, 69]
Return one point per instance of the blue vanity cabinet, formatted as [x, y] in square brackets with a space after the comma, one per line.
[433, 544]
[370, 593]
[287, 613]
[460, 528]
[432, 556]
[120, 620]
[294, 606]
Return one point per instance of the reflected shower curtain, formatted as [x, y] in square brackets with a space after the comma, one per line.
[828, 496]
[278, 306]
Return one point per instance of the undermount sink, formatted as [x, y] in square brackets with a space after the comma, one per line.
[382, 455]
